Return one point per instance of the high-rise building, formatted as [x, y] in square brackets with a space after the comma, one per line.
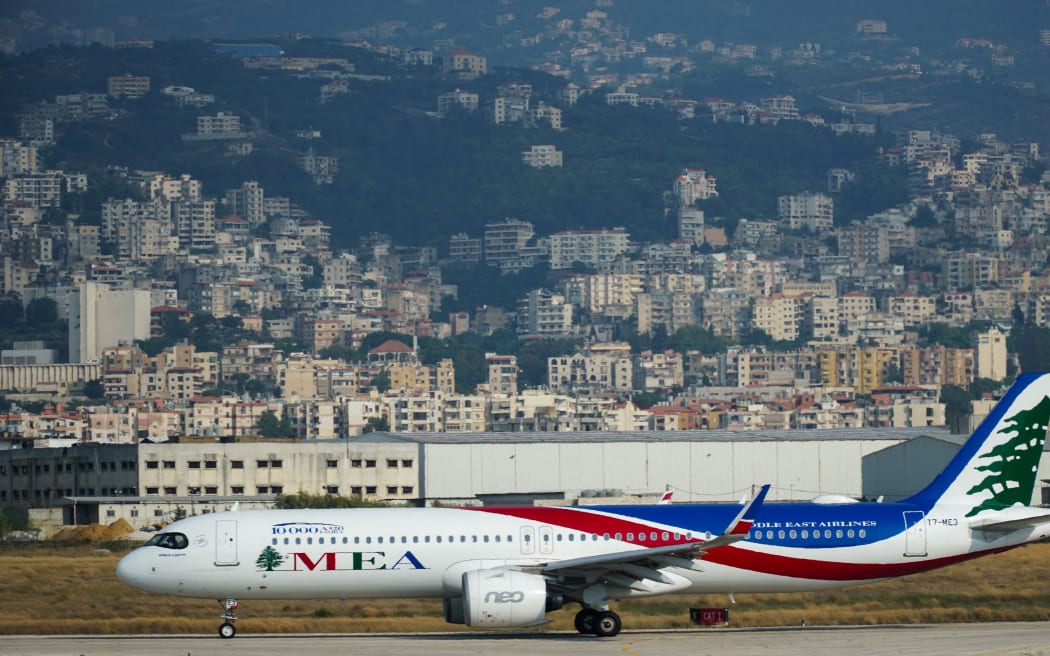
[102, 316]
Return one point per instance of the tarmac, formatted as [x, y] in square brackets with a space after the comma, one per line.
[996, 639]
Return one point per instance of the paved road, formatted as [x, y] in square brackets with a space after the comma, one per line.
[1000, 639]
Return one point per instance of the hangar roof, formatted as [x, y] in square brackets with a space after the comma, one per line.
[800, 435]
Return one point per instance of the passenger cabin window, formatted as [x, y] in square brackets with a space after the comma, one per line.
[169, 541]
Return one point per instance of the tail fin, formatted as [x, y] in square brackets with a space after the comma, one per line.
[996, 467]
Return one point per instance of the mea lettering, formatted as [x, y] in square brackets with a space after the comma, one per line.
[352, 560]
[505, 597]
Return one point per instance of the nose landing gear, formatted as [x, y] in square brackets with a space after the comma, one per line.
[229, 614]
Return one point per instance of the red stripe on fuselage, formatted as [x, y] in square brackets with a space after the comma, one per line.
[595, 523]
[743, 558]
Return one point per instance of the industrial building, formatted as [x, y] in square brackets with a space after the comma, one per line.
[152, 483]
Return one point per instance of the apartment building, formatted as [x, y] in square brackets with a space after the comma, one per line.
[607, 294]
[862, 369]
[102, 316]
[814, 211]
[502, 375]
[463, 63]
[465, 100]
[672, 310]
[220, 126]
[937, 365]
[539, 157]
[779, 316]
[587, 247]
[127, 85]
[990, 354]
[692, 185]
[912, 309]
[599, 368]
[544, 313]
[504, 240]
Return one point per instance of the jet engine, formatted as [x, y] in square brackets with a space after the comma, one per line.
[501, 597]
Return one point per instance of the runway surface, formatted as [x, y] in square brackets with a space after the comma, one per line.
[999, 639]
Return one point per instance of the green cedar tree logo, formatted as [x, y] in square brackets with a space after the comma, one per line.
[268, 559]
[1015, 460]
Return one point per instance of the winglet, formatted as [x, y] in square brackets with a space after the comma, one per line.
[739, 528]
[741, 525]
[665, 499]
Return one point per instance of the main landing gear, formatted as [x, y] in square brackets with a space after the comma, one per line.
[229, 614]
[602, 623]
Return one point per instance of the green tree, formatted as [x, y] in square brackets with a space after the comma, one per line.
[269, 559]
[381, 381]
[94, 390]
[376, 425]
[11, 522]
[271, 426]
[306, 500]
[41, 313]
[1032, 345]
[957, 405]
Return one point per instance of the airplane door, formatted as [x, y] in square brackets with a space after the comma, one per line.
[226, 542]
[528, 540]
[546, 540]
[914, 533]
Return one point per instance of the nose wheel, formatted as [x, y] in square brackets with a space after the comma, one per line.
[229, 615]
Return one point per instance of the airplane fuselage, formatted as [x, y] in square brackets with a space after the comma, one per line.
[362, 553]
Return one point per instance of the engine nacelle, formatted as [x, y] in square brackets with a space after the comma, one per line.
[503, 597]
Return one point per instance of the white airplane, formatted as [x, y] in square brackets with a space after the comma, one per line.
[509, 566]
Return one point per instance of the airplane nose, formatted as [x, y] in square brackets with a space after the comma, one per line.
[128, 569]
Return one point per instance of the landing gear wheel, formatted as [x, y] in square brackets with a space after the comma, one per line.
[585, 620]
[607, 624]
[229, 615]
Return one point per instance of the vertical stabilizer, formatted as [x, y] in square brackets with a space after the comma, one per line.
[996, 467]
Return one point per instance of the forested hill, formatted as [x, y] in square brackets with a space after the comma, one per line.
[419, 178]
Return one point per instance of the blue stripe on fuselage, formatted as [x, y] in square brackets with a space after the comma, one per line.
[875, 521]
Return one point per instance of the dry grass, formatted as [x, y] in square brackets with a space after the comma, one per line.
[65, 589]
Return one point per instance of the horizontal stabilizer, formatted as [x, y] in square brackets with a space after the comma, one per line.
[1007, 521]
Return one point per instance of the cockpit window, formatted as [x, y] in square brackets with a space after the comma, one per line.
[169, 541]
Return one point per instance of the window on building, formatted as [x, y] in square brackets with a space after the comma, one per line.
[332, 464]
[355, 489]
[236, 464]
[407, 489]
[169, 464]
[356, 462]
[406, 462]
[211, 489]
[262, 464]
[193, 464]
[111, 513]
[370, 489]
[262, 489]
[210, 464]
[391, 489]
[276, 489]
[193, 490]
[276, 464]
[152, 490]
[152, 464]
[391, 463]
[171, 491]
[237, 489]
[331, 489]
[370, 464]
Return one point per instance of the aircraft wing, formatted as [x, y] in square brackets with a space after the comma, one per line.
[634, 567]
